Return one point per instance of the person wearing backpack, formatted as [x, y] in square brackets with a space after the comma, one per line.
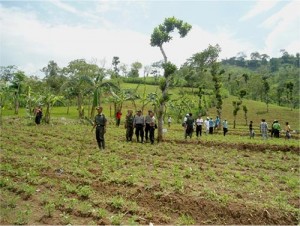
[100, 124]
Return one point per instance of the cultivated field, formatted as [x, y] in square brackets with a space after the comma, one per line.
[54, 174]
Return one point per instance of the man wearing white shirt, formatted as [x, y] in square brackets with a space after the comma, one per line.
[199, 123]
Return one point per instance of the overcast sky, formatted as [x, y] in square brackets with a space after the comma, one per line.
[35, 32]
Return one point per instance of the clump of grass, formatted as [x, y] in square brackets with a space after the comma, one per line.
[117, 202]
[185, 219]
[49, 208]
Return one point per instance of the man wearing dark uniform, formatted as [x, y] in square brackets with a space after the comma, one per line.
[129, 125]
[100, 124]
[139, 124]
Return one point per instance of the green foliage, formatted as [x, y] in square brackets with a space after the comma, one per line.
[117, 202]
[84, 191]
[49, 208]
[161, 35]
[185, 219]
[169, 69]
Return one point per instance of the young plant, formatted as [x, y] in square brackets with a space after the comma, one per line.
[49, 208]
[185, 219]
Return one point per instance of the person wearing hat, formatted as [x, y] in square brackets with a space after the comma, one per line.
[139, 124]
[147, 123]
[129, 125]
[100, 124]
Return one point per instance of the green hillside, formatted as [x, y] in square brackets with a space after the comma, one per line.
[256, 110]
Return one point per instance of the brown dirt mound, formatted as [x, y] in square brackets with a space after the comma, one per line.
[240, 146]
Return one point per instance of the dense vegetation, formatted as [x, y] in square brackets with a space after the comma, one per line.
[273, 81]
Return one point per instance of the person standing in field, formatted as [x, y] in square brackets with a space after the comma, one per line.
[276, 128]
[264, 129]
[100, 124]
[251, 131]
[287, 131]
[118, 117]
[152, 127]
[199, 123]
[189, 126]
[207, 125]
[225, 127]
[139, 124]
[129, 125]
[147, 124]
[38, 115]
[217, 122]
[211, 126]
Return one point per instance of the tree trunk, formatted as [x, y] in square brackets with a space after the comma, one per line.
[163, 53]
[160, 123]
[162, 103]
[16, 104]
[47, 115]
[80, 107]
[234, 122]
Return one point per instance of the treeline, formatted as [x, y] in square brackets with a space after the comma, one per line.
[270, 80]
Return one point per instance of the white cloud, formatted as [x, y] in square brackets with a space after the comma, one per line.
[258, 8]
[30, 44]
[180, 49]
[26, 41]
[285, 30]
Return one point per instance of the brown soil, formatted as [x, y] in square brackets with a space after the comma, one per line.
[240, 146]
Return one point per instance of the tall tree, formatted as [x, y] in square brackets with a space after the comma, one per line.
[54, 78]
[289, 88]
[161, 35]
[115, 64]
[134, 71]
[80, 74]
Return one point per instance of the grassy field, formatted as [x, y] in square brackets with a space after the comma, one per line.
[54, 174]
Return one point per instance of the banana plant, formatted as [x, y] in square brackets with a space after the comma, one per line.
[48, 101]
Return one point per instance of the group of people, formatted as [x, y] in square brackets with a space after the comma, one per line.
[145, 126]
[189, 123]
[275, 129]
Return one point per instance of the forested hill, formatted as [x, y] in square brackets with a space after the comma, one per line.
[266, 79]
